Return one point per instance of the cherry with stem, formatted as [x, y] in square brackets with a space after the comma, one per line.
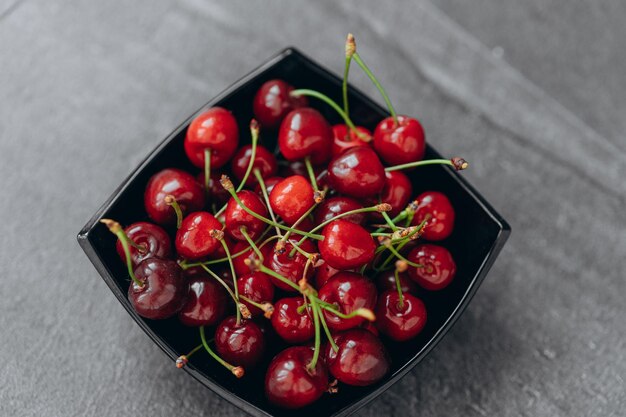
[457, 163]
[115, 228]
[238, 371]
[170, 200]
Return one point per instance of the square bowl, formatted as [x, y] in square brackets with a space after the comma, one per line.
[479, 234]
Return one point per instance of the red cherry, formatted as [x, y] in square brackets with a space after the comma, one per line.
[348, 291]
[239, 262]
[305, 132]
[323, 273]
[193, 239]
[269, 185]
[398, 323]
[386, 281]
[291, 198]
[242, 344]
[164, 289]
[292, 267]
[397, 192]
[258, 287]
[236, 217]
[272, 102]
[206, 301]
[401, 143]
[361, 359]
[357, 172]
[180, 184]
[331, 207]
[264, 160]
[291, 326]
[153, 238]
[290, 384]
[439, 266]
[343, 138]
[370, 327]
[438, 207]
[219, 252]
[215, 129]
[217, 195]
[346, 245]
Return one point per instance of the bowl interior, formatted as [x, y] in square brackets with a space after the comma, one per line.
[478, 236]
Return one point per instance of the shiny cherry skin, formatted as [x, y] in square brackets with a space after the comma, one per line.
[215, 129]
[153, 238]
[239, 262]
[290, 384]
[304, 132]
[216, 194]
[323, 273]
[291, 326]
[333, 206]
[258, 287]
[180, 184]
[346, 245]
[264, 161]
[291, 198]
[344, 138]
[438, 207]
[397, 192]
[236, 217]
[241, 345]
[361, 359]
[272, 102]
[219, 252]
[164, 289]
[357, 172]
[398, 323]
[206, 301]
[193, 239]
[386, 281]
[348, 291]
[291, 268]
[269, 185]
[439, 266]
[401, 143]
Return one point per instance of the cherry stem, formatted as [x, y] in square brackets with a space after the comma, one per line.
[297, 222]
[399, 288]
[350, 49]
[254, 132]
[316, 322]
[252, 302]
[182, 360]
[279, 277]
[170, 200]
[254, 247]
[359, 312]
[115, 228]
[222, 283]
[232, 271]
[389, 221]
[403, 243]
[380, 88]
[266, 197]
[455, 163]
[331, 103]
[309, 170]
[207, 168]
[394, 220]
[327, 330]
[236, 370]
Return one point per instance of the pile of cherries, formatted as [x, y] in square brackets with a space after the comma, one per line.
[318, 242]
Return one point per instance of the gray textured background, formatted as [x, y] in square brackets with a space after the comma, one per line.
[532, 93]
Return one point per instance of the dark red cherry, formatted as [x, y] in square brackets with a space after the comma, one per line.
[348, 291]
[215, 129]
[400, 143]
[361, 359]
[180, 184]
[386, 281]
[437, 206]
[193, 239]
[239, 262]
[264, 161]
[216, 194]
[397, 192]
[269, 185]
[357, 172]
[370, 327]
[241, 345]
[153, 238]
[206, 301]
[290, 267]
[439, 266]
[291, 326]
[343, 138]
[291, 198]
[333, 206]
[236, 217]
[305, 132]
[346, 245]
[323, 273]
[400, 323]
[258, 287]
[272, 103]
[219, 252]
[290, 384]
[164, 289]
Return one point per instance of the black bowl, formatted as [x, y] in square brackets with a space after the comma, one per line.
[480, 232]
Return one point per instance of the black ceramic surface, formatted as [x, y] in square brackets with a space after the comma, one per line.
[479, 234]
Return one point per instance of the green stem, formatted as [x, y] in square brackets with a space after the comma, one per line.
[232, 271]
[213, 354]
[316, 322]
[207, 168]
[420, 163]
[170, 200]
[254, 247]
[380, 88]
[399, 288]
[266, 197]
[300, 220]
[115, 228]
[389, 221]
[396, 219]
[279, 277]
[254, 132]
[309, 169]
[344, 84]
[222, 283]
[327, 330]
